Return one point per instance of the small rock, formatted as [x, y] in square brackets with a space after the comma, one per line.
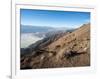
[42, 57]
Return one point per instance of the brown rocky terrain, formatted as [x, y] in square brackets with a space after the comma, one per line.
[71, 49]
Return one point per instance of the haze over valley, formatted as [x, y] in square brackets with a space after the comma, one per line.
[31, 34]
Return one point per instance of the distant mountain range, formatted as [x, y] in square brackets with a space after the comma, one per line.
[43, 29]
[61, 49]
[33, 29]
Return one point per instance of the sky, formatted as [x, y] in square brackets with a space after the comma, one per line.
[50, 18]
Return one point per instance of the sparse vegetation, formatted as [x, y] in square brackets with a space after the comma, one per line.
[58, 46]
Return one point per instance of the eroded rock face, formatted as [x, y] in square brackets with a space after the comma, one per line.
[65, 50]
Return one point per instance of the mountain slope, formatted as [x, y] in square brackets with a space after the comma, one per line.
[69, 50]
